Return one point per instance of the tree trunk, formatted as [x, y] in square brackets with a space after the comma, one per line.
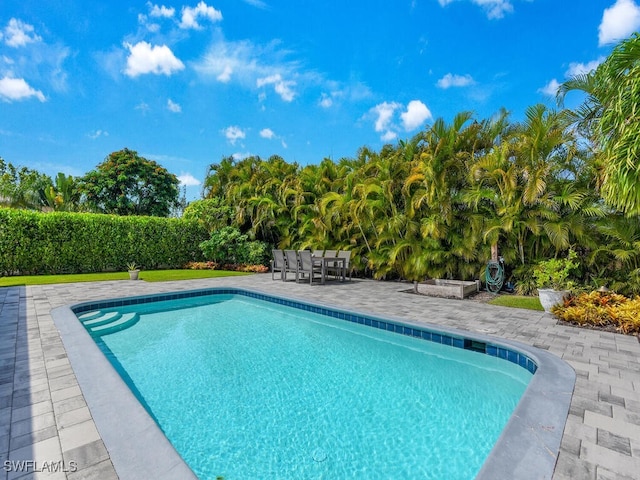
[494, 252]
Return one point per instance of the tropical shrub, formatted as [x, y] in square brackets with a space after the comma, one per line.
[227, 266]
[212, 213]
[525, 283]
[228, 245]
[602, 309]
[554, 273]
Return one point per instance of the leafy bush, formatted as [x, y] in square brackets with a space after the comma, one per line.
[602, 309]
[211, 213]
[524, 280]
[63, 242]
[554, 273]
[227, 267]
[228, 245]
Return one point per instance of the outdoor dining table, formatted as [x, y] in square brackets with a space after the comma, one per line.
[325, 261]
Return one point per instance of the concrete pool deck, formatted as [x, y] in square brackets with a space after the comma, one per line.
[44, 416]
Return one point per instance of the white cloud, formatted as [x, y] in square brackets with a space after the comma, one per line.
[226, 58]
[190, 15]
[494, 8]
[388, 136]
[152, 27]
[325, 101]
[354, 92]
[173, 107]
[30, 57]
[575, 68]
[143, 107]
[618, 22]
[387, 123]
[270, 135]
[256, 3]
[383, 116]
[18, 34]
[281, 87]
[144, 58]
[97, 134]
[550, 89]
[384, 113]
[415, 115]
[161, 11]
[267, 133]
[188, 180]
[233, 133]
[262, 67]
[241, 155]
[155, 11]
[452, 80]
[225, 76]
[583, 68]
[16, 89]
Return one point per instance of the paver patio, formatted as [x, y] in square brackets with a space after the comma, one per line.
[44, 417]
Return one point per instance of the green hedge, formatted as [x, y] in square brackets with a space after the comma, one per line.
[49, 243]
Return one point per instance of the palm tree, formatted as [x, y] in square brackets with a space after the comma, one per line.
[616, 259]
[435, 189]
[609, 116]
[63, 195]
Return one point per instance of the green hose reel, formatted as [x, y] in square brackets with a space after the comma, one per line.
[494, 276]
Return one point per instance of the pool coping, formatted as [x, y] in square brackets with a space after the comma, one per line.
[526, 449]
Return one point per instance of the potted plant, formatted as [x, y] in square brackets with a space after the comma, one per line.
[134, 270]
[552, 279]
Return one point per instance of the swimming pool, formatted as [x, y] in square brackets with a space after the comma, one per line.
[322, 450]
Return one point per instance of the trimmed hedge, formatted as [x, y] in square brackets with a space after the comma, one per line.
[61, 242]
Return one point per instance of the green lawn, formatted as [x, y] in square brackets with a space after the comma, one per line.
[517, 301]
[148, 276]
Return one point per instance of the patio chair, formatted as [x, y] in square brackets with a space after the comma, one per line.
[336, 268]
[331, 253]
[306, 266]
[278, 264]
[317, 253]
[290, 263]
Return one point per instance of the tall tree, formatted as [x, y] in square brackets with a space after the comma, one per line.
[127, 184]
[21, 187]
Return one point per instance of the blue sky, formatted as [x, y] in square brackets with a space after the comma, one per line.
[186, 83]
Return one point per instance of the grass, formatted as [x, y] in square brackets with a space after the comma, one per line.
[517, 301]
[146, 275]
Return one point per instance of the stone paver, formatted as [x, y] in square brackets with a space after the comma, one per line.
[44, 417]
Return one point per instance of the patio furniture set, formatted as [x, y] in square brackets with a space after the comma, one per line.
[312, 264]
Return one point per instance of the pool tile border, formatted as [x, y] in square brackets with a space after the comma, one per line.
[540, 416]
[395, 326]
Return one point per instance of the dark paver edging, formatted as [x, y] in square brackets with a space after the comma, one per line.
[527, 448]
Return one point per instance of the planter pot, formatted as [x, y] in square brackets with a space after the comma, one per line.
[133, 274]
[549, 297]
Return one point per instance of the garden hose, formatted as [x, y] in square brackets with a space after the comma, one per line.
[494, 276]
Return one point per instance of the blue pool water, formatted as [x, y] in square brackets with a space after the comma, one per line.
[249, 389]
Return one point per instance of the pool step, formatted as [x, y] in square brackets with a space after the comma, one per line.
[115, 323]
[89, 315]
[102, 319]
